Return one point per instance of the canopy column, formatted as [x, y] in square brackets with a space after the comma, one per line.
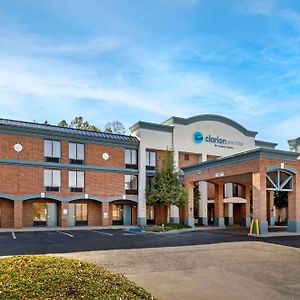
[246, 207]
[294, 206]
[219, 205]
[260, 200]
[189, 207]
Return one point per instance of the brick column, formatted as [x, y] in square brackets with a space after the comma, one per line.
[294, 206]
[105, 214]
[18, 214]
[189, 207]
[64, 214]
[246, 207]
[219, 205]
[260, 200]
[270, 207]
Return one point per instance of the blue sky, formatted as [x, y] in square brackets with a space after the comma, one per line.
[148, 60]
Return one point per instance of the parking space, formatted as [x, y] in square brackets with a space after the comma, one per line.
[63, 241]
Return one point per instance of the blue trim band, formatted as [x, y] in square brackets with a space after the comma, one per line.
[65, 166]
[62, 199]
[278, 168]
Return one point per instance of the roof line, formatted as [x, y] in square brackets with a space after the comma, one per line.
[46, 129]
[210, 117]
[244, 156]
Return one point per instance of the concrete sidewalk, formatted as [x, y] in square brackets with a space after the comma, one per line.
[71, 228]
[239, 270]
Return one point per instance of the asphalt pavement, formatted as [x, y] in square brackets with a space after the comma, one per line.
[43, 242]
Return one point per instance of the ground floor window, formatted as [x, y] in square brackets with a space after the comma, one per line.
[117, 214]
[39, 214]
[81, 214]
[150, 212]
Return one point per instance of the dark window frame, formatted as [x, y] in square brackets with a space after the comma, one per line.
[131, 191]
[148, 160]
[52, 188]
[77, 161]
[51, 158]
[131, 165]
[76, 189]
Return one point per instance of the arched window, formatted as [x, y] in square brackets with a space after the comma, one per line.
[279, 180]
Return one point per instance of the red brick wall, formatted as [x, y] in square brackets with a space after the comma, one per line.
[161, 214]
[6, 213]
[23, 180]
[193, 159]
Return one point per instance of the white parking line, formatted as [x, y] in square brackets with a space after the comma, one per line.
[65, 233]
[13, 235]
[104, 233]
[129, 234]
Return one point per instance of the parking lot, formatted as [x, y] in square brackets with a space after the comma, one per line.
[42, 242]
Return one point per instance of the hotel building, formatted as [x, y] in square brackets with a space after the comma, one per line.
[54, 176]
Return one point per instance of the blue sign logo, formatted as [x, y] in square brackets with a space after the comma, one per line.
[198, 137]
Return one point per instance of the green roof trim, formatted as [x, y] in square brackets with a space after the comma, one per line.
[265, 144]
[294, 142]
[151, 126]
[71, 134]
[208, 117]
[244, 156]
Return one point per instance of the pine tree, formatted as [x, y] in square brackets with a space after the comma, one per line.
[167, 189]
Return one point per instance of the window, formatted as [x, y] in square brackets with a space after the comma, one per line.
[150, 213]
[186, 157]
[52, 180]
[76, 153]
[150, 160]
[76, 181]
[131, 184]
[131, 158]
[149, 181]
[52, 150]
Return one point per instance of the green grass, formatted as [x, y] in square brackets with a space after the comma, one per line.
[166, 227]
[46, 277]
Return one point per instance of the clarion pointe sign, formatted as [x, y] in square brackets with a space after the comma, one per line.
[218, 141]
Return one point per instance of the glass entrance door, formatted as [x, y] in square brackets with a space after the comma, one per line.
[117, 214]
[39, 214]
[81, 214]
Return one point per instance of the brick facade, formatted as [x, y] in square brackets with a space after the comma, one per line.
[19, 178]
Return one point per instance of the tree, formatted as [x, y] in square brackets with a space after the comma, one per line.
[166, 188]
[280, 201]
[115, 127]
[79, 123]
[63, 123]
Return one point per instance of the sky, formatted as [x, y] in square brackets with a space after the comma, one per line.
[131, 60]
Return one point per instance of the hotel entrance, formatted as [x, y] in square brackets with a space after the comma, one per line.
[44, 214]
[121, 214]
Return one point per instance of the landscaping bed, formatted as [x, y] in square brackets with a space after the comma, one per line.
[164, 227]
[46, 277]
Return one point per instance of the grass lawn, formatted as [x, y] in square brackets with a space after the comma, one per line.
[46, 277]
[166, 227]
